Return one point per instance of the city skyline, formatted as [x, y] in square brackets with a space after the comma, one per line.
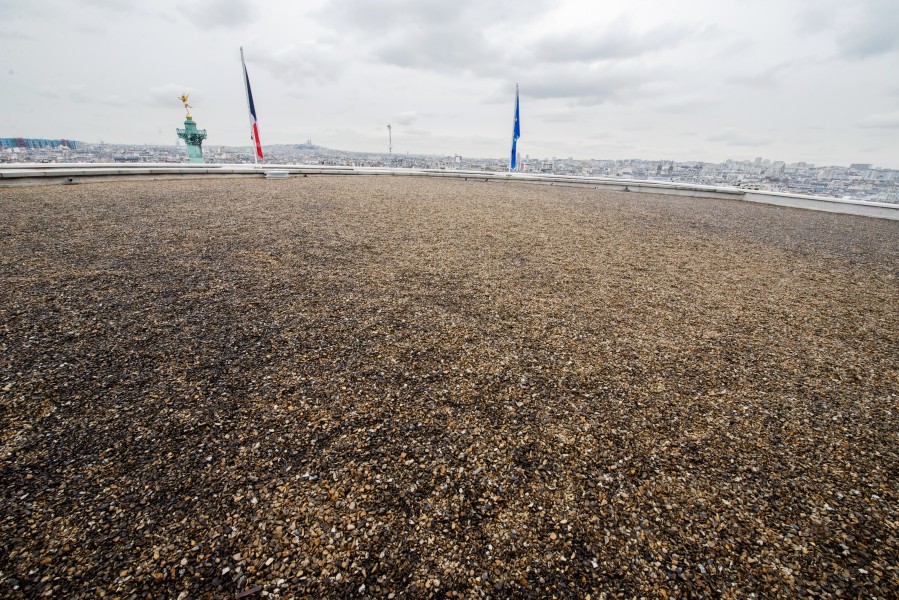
[793, 80]
[10, 145]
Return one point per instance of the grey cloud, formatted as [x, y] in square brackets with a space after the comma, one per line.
[690, 103]
[564, 116]
[766, 79]
[114, 6]
[48, 92]
[17, 9]
[584, 90]
[882, 121]
[437, 49]
[90, 17]
[618, 40]
[591, 86]
[303, 62]
[82, 94]
[435, 36]
[18, 16]
[416, 133]
[221, 13]
[816, 17]
[388, 15]
[470, 37]
[873, 32]
[113, 9]
[167, 95]
[17, 36]
[733, 137]
[734, 48]
[600, 135]
[91, 28]
[78, 93]
[408, 117]
[405, 118]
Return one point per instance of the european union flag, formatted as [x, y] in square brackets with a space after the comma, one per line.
[516, 133]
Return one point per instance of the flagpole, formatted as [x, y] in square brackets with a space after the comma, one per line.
[247, 93]
[513, 125]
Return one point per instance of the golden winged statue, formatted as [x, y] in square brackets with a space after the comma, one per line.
[187, 106]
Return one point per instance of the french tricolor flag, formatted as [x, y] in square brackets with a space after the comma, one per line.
[254, 126]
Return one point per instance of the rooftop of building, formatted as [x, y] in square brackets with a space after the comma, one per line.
[330, 386]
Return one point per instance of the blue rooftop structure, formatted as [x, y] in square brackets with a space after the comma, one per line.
[36, 143]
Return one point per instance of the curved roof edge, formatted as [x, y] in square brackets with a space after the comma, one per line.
[62, 173]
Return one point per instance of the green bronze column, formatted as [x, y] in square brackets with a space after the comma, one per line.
[192, 136]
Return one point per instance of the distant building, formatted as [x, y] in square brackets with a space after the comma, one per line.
[36, 143]
[776, 169]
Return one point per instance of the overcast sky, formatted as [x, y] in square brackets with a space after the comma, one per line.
[789, 80]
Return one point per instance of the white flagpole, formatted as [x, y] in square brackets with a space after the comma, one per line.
[246, 85]
[513, 130]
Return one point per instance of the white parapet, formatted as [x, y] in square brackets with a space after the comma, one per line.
[37, 174]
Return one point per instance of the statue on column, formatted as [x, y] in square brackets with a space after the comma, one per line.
[193, 137]
[187, 106]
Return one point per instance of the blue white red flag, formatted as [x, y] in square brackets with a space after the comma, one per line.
[254, 125]
[516, 133]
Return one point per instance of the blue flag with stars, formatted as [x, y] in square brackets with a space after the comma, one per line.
[516, 133]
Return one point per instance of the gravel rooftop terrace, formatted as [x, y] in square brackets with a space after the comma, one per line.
[409, 387]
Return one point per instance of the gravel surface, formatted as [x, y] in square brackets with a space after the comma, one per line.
[409, 387]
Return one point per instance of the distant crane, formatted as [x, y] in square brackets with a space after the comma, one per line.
[389, 139]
